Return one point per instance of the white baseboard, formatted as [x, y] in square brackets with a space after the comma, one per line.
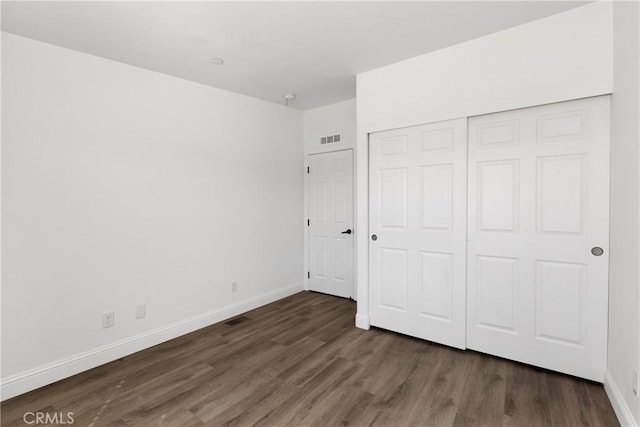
[620, 407]
[52, 372]
[362, 321]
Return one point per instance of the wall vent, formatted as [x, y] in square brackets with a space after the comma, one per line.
[331, 139]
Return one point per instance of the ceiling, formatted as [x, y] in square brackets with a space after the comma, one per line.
[313, 49]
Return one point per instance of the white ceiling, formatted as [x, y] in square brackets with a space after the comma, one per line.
[313, 49]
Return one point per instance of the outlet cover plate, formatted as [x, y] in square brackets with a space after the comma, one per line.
[141, 311]
[108, 319]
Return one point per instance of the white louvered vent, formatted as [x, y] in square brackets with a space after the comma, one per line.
[331, 139]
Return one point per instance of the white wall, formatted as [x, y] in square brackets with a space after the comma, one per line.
[624, 272]
[560, 57]
[318, 122]
[123, 186]
[564, 56]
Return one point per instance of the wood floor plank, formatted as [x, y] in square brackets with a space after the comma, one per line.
[300, 351]
[237, 400]
[565, 391]
[444, 380]
[482, 402]
[525, 395]
[313, 392]
[599, 405]
[345, 406]
[301, 361]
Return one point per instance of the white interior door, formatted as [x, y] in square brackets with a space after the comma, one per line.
[538, 204]
[417, 217]
[331, 235]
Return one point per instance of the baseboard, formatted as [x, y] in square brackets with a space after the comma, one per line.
[620, 407]
[362, 321]
[52, 372]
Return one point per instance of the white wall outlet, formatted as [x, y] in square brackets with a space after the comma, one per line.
[634, 384]
[141, 311]
[108, 319]
[234, 286]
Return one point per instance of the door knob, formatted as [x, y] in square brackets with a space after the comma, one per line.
[346, 232]
[374, 237]
[597, 251]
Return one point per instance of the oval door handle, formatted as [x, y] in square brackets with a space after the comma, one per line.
[346, 232]
[374, 237]
[597, 251]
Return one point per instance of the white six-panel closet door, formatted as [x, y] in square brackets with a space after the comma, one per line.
[417, 241]
[538, 235]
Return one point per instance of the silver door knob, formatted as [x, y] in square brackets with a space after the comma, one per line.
[597, 251]
[374, 237]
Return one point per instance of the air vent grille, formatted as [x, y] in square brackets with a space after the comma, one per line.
[331, 139]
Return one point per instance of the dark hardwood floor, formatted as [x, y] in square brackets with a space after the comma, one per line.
[300, 361]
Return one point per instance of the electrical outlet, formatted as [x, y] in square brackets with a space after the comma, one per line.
[234, 286]
[141, 311]
[635, 382]
[108, 319]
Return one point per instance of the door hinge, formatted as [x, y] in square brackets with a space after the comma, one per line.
[308, 169]
[308, 223]
[308, 275]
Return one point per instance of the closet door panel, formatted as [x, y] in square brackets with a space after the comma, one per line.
[417, 213]
[538, 205]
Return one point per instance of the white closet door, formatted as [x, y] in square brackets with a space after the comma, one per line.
[331, 223]
[417, 217]
[538, 204]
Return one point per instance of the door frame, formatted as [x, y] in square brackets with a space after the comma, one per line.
[306, 242]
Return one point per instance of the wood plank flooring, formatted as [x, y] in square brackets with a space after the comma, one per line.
[300, 361]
